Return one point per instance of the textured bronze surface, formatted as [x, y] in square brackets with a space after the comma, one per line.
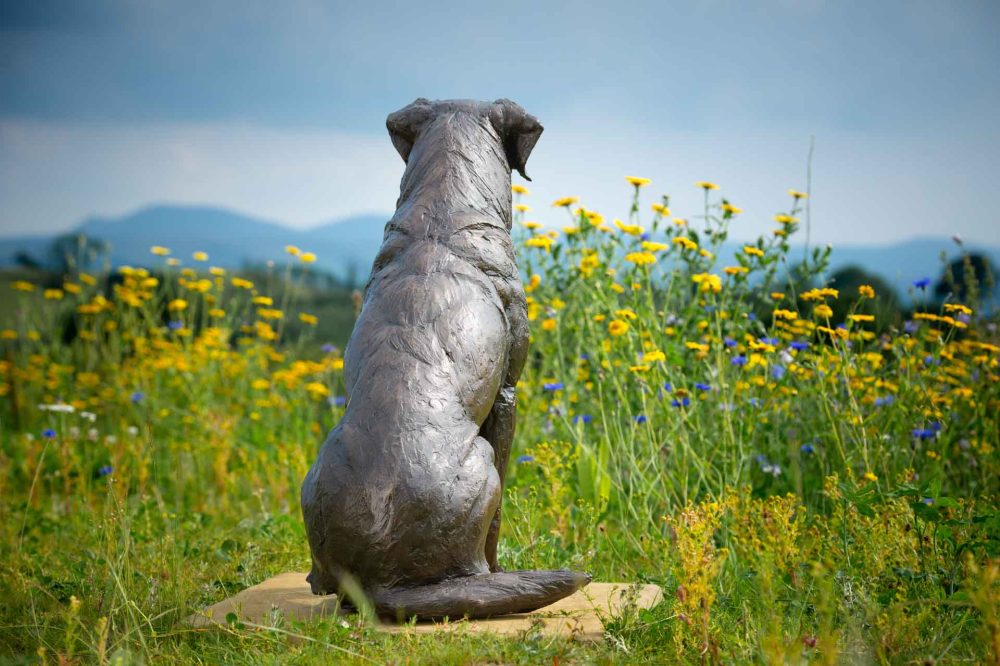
[405, 495]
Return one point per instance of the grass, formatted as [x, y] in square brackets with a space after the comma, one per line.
[806, 487]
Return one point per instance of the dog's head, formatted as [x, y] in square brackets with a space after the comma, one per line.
[517, 129]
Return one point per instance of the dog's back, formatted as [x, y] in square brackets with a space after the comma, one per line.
[405, 487]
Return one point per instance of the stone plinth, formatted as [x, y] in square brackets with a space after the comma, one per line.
[576, 616]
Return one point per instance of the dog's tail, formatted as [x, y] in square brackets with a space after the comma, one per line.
[480, 595]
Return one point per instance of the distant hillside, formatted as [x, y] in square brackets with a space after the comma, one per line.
[347, 247]
[231, 239]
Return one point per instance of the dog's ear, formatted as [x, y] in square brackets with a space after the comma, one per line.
[405, 124]
[519, 131]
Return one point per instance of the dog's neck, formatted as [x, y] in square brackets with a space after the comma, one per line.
[458, 165]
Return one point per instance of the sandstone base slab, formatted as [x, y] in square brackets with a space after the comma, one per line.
[577, 616]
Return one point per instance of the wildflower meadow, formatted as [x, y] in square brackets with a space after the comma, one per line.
[808, 477]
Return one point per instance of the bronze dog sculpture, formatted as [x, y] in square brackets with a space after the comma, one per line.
[405, 494]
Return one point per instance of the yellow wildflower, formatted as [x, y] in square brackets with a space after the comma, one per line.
[797, 194]
[638, 182]
[589, 263]
[617, 327]
[707, 282]
[631, 229]
[22, 285]
[519, 189]
[216, 271]
[777, 295]
[177, 305]
[626, 313]
[785, 219]
[705, 185]
[685, 242]
[753, 251]
[866, 290]
[200, 256]
[956, 307]
[549, 324]
[308, 319]
[565, 202]
[654, 356]
[860, 317]
[533, 282]
[543, 242]
[696, 346]
[522, 208]
[317, 390]
[527, 224]
[53, 294]
[785, 314]
[240, 283]
[869, 476]
[89, 280]
[641, 258]
[823, 310]
[731, 209]
[307, 257]
[660, 209]
[736, 270]
[651, 246]
[159, 250]
[71, 288]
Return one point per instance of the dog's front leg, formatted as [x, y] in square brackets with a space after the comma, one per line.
[498, 430]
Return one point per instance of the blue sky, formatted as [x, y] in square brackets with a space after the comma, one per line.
[278, 109]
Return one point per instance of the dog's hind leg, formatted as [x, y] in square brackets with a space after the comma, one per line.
[498, 430]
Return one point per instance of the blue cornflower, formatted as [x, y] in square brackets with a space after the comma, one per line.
[682, 402]
[553, 386]
[583, 418]
[922, 433]
[525, 459]
[799, 346]
[729, 342]
[739, 360]
[929, 360]
[328, 348]
[702, 387]
[910, 327]
[337, 400]
[754, 402]
[774, 342]
[807, 449]
[104, 471]
[137, 397]
[584, 356]
[640, 419]
[49, 433]
[752, 316]
[883, 401]
[922, 283]
[645, 236]
[928, 500]
[761, 459]
[778, 372]
[668, 387]
[936, 426]
[175, 325]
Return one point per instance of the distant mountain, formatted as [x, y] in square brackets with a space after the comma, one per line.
[346, 248]
[343, 248]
